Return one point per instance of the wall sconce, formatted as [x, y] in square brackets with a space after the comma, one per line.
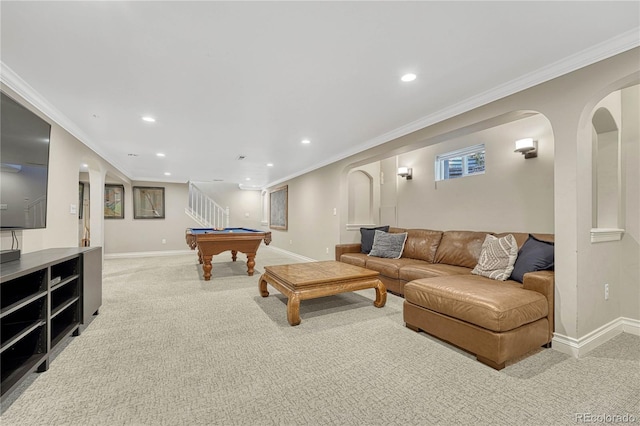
[405, 172]
[527, 147]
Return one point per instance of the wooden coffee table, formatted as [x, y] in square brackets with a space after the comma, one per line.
[302, 281]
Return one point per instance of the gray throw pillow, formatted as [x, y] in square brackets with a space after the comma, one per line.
[388, 245]
[497, 257]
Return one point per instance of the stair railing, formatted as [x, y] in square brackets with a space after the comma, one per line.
[204, 210]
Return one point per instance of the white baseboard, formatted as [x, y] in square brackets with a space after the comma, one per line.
[296, 255]
[581, 346]
[186, 251]
[148, 254]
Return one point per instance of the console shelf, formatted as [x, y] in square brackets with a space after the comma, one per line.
[44, 297]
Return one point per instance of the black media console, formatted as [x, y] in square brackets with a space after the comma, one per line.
[44, 297]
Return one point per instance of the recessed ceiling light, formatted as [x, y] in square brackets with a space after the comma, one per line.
[408, 77]
[85, 165]
[306, 141]
[269, 164]
[167, 174]
[248, 179]
[160, 154]
[149, 119]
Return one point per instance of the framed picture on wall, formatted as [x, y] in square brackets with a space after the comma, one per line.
[80, 199]
[279, 208]
[148, 202]
[114, 201]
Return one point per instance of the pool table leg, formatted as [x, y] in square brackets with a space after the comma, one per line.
[199, 257]
[206, 267]
[251, 262]
[234, 255]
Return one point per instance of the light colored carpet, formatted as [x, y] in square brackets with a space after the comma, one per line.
[171, 349]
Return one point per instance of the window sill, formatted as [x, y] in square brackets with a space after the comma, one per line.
[600, 235]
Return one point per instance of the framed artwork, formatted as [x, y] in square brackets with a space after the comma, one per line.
[81, 199]
[278, 208]
[148, 202]
[114, 201]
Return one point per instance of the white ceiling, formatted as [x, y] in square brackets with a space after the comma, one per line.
[225, 79]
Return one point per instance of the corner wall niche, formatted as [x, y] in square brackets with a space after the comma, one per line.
[360, 196]
[607, 192]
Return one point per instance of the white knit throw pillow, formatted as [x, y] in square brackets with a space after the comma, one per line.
[497, 257]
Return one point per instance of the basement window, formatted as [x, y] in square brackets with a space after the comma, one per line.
[462, 162]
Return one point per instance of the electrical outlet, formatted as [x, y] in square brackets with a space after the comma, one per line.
[164, 241]
[327, 250]
[290, 241]
[606, 292]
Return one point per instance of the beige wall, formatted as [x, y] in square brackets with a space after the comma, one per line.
[131, 235]
[313, 229]
[513, 194]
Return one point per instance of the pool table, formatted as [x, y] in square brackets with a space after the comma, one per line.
[210, 241]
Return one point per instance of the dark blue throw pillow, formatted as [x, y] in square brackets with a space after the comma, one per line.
[366, 237]
[534, 255]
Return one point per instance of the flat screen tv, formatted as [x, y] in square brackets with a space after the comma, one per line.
[24, 157]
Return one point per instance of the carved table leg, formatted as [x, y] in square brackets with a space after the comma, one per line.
[262, 287]
[199, 257]
[251, 262]
[381, 295]
[293, 309]
[206, 267]
[234, 255]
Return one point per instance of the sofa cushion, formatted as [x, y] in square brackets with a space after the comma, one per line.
[366, 237]
[389, 267]
[494, 305]
[388, 245]
[460, 248]
[497, 257]
[422, 244]
[535, 255]
[421, 269]
[357, 259]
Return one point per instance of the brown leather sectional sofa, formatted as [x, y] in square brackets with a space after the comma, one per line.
[494, 320]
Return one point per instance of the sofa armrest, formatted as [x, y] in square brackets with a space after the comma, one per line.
[543, 282]
[346, 248]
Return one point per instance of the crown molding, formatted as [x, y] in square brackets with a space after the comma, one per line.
[619, 44]
[12, 80]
